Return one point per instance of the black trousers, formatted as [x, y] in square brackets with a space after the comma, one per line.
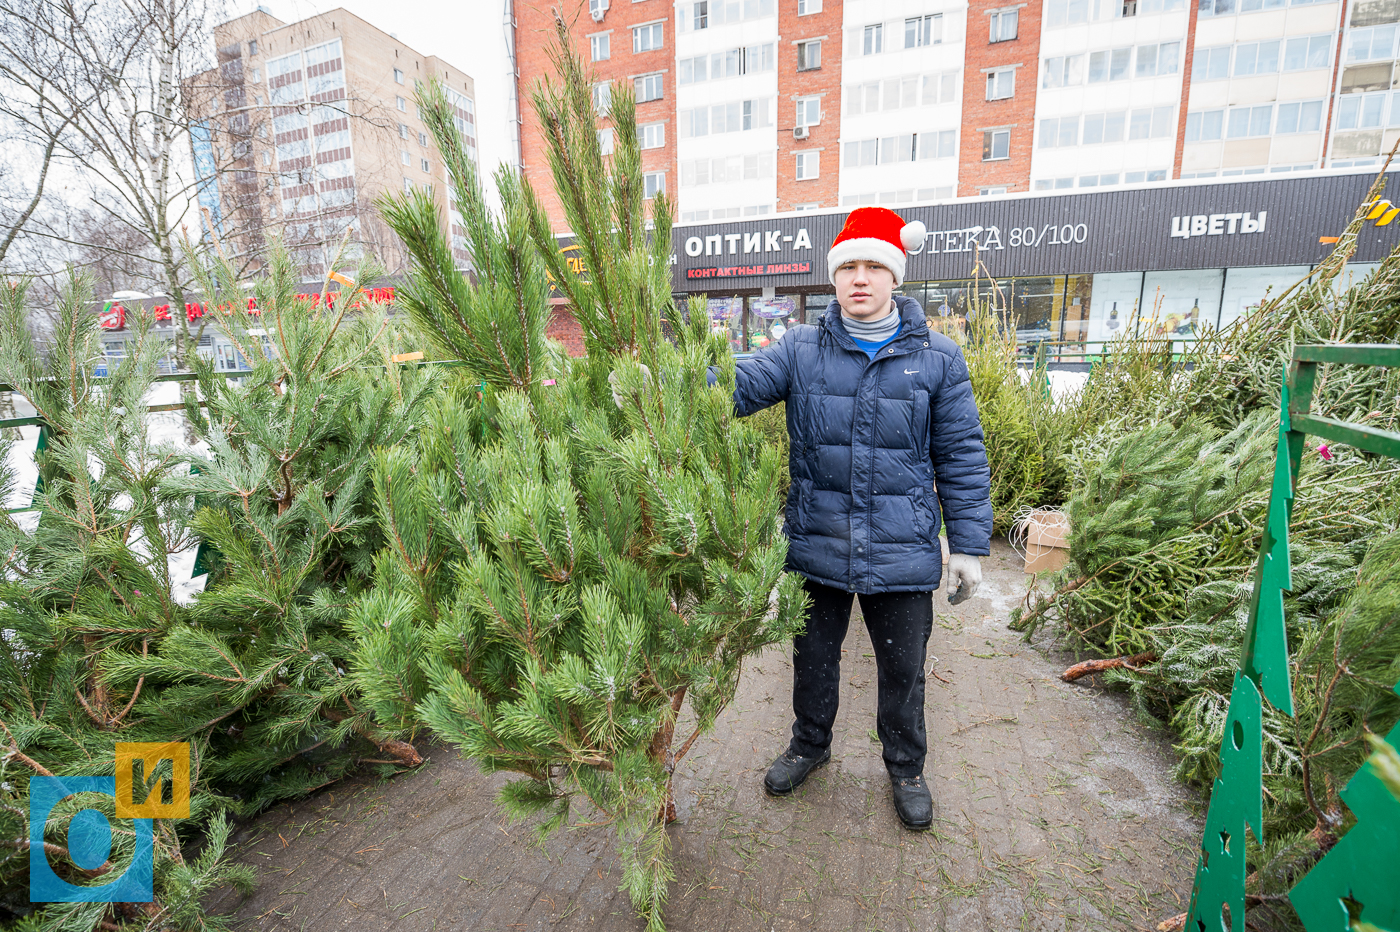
[899, 624]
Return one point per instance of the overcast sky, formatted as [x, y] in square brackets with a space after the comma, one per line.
[466, 33]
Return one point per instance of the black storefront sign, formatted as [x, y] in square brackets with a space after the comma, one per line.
[1225, 225]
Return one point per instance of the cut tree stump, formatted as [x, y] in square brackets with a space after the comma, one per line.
[1098, 666]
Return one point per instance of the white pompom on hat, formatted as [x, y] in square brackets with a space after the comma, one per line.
[875, 234]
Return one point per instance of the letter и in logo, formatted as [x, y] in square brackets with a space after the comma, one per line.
[90, 832]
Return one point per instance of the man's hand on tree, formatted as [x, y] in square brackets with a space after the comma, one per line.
[964, 576]
[612, 382]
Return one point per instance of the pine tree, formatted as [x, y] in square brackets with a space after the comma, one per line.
[91, 577]
[563, 571]
[282, 503]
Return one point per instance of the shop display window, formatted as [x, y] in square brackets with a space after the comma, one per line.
[1246, 289]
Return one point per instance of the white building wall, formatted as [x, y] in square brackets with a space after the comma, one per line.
[897, 177]
[1284, 147]
[754, 149]
[1127, 160]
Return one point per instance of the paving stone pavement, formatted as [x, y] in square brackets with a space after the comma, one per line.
[1055, 809]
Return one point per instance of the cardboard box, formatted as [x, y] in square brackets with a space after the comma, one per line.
[1047, 542]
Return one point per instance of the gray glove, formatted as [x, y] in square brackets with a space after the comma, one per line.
[612, 382]
[964, 576]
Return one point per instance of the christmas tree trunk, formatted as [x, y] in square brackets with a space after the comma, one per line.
[565, 570]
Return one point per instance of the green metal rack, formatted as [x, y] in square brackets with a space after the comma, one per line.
[1356, 885]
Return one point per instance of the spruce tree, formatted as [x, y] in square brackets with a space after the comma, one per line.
[563, 570]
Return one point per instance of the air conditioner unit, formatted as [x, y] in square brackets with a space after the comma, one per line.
[799, 132]
[596, 9]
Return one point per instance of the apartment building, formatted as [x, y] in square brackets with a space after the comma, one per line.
[302, 126]
[754, 107]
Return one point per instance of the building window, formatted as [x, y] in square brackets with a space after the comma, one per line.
[1354, 111]
[647, 38]
[809, 111]
[648, 87]
[701, 18]
[653, 183]
[255, 76]
[651, 135]
[252, 47]
[992, 191]
[1256, 58]
[403, 131]
[1204, 125]
[408, 184]
[1151, 123]
[873, 39]
[398, 76]
[1211, 64]
[1066, 71]
[923, 30]
[596, 9]
[602, 97]
[808, 165]
[1105, 127]
[809, 55]
[1110, 65]
[1307, 52]
[1302, 116]
[1154, 60]
[800, 208]
[1059, 133]
[405, 157]
[599, 46]
[1371, 44]
[425, 165]
[1001, 84]
[1003, 25]
[996, 144]
[422, 139]
[401, 104]
[808, 7]
[1243, 122]
[605, 141]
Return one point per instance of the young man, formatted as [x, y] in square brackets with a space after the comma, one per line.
[879, 407]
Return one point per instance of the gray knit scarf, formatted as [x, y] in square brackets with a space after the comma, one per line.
[872, 331]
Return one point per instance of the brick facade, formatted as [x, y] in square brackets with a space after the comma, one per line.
[535, 36]
[564, 327]
[1187, 65]
[980, 115]
[825, 81]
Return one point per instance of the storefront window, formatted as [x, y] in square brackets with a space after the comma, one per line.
[816, 305]
[1115, 305]
[1246, 289]
[1180, 304]
[727, 317]
[770, 318]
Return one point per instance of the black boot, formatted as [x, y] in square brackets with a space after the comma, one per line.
[912, 801]
[789, 771]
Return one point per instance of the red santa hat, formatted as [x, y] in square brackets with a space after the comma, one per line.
[875, 234]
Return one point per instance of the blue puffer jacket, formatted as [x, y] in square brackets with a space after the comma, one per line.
[869, 438]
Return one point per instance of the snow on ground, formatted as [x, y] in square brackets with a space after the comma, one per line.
[1063, 385]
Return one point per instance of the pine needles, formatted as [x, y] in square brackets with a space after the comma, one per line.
[1167, 512]
[570, 569]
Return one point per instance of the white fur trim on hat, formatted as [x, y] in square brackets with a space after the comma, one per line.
[872, 250]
